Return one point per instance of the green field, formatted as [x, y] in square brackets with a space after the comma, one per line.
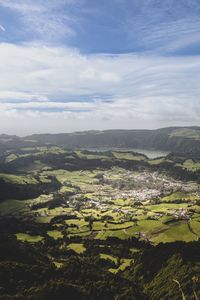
[190, 165]
[101, 203]
[18, 179]
[24, 237]
[13, 207]
[55, 234]
[76, 247]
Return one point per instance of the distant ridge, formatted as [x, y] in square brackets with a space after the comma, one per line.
[178, 139]
[173, 139]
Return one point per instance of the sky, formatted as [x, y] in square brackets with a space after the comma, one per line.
[71, 65]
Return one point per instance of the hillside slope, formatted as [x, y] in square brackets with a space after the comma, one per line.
[174, 139]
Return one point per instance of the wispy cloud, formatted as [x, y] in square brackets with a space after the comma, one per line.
[123, 113]
[156, 26]
[44, 20]
[2, 28]
[164, 26]
[19, 96]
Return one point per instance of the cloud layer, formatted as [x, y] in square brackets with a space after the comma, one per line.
[59, 89]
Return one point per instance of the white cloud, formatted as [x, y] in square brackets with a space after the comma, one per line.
[20, 96]
[94, 75]
[124, 113]
[38, 85]
[2, 28]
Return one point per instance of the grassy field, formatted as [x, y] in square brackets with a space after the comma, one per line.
[115, 202]
[13, 207]
[124, 263]
[156, 161]
[37, 152]
[94, 155]
[186, 132]
[190, 165]
[178, 232]
[181, 196]
[109, 257]
[128, 156]
[24, 237]
[55, 234]
[76, 247]
[18, 179]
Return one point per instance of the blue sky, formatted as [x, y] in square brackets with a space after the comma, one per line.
[71, 65]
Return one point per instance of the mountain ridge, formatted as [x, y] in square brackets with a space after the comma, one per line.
[178, 139]
[173, 139]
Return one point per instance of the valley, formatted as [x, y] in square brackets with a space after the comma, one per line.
[111, 207]
[115, 202]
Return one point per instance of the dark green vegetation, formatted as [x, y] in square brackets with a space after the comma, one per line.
[78, 224]
[176, 139]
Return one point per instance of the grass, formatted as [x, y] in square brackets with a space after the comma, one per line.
[128, 156]
[77, 222]
[178, 232]
[98, 225]
[18, 179]
[44, 215]
[195, 226]
[109, 257]
[80, 234]
[13, 207]
[165, 207]
[190, 165]
[134, 250]
[121, 264]
[76, 247]
[167, 219]
[55, 234]
[124, 225]
[58, 264]
[24, 237]
[112, 215]
[186, 132]
[41, 151]
[120, 234]
[124, 263]
[44, 179]
[122, 202]
[11, 157]
[145, 228]
[91, 212]
[65, 189]
[76, 177]
[87, 155]
[44, 219]
[156, 161]
[180, 196]
[41, 199]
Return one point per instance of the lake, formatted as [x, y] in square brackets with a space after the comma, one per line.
[149, 153]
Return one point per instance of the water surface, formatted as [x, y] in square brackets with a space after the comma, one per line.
[149, 153]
